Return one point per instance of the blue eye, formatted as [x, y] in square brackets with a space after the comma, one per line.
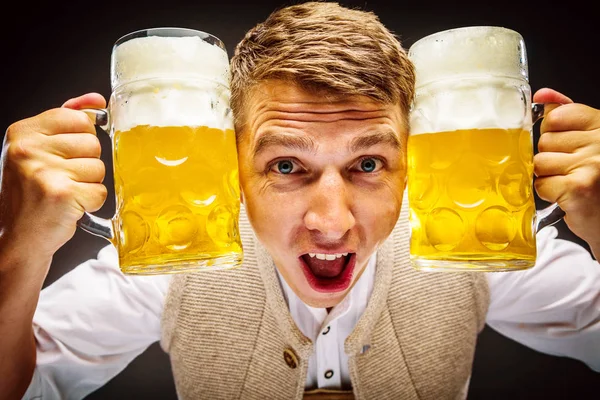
[285, 167]
[368, 164]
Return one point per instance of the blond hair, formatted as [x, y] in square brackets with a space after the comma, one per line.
[323, 46]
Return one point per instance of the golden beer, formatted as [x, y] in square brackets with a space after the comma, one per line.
[471, 198]
[177, 198]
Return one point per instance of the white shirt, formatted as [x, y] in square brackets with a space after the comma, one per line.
[93, 321]
[328, 365]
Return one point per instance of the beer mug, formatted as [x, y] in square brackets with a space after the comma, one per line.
[470, 153]
[174, 154]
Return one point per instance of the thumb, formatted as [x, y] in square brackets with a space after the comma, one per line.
[547, 95]
[88, 100]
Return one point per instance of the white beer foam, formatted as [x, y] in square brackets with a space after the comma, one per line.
[170, 81]
[469, 51]
[161, 103]
[470, 78]
[470, 104]
[156, 56]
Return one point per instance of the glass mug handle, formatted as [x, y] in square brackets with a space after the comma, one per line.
[553, 213]
[90, 223]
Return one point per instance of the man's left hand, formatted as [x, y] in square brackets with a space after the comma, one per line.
[567, 166]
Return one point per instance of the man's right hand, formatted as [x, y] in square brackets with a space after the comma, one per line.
[51, 174]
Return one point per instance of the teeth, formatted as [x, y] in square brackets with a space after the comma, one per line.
[328, 257]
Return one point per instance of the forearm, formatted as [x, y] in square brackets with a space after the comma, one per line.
[21, 279]
[553, 307]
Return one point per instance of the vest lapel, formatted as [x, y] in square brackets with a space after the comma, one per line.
[376, 361]
[279, 340]
[229, 333]
[417, 337]
[437, 317]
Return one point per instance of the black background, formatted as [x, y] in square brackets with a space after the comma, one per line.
[57, 50]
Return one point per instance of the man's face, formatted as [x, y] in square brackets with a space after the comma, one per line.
[322, 179]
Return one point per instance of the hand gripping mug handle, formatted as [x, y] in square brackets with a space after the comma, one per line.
[553, 213]
[88, 222]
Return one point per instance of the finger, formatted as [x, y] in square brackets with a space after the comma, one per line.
[571, 117]
[563, 142]
[85, 170]
[88, 100]
[547, 95]
[551, 188]
[61, 120]
[549, 163]
[91, 196]
[75, 145]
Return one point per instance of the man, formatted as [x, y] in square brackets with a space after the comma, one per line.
[320, 94]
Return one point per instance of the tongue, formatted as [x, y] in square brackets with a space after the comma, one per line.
[325, 268]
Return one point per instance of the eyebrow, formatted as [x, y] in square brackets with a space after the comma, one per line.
[384, 137]
[306, 144]
[301, 143]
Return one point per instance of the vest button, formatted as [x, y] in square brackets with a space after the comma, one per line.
[290, 358]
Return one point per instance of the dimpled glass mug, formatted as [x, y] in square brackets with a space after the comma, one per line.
[174, 154]
[470, 153]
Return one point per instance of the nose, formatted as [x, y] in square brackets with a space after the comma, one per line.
[329, 212]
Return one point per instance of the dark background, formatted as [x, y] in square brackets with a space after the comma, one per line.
[57, 50]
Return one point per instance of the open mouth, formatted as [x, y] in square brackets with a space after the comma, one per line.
[328, 273]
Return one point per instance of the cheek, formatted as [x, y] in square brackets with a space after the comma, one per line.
[274, 218]
[381, 217]
[378, 212]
